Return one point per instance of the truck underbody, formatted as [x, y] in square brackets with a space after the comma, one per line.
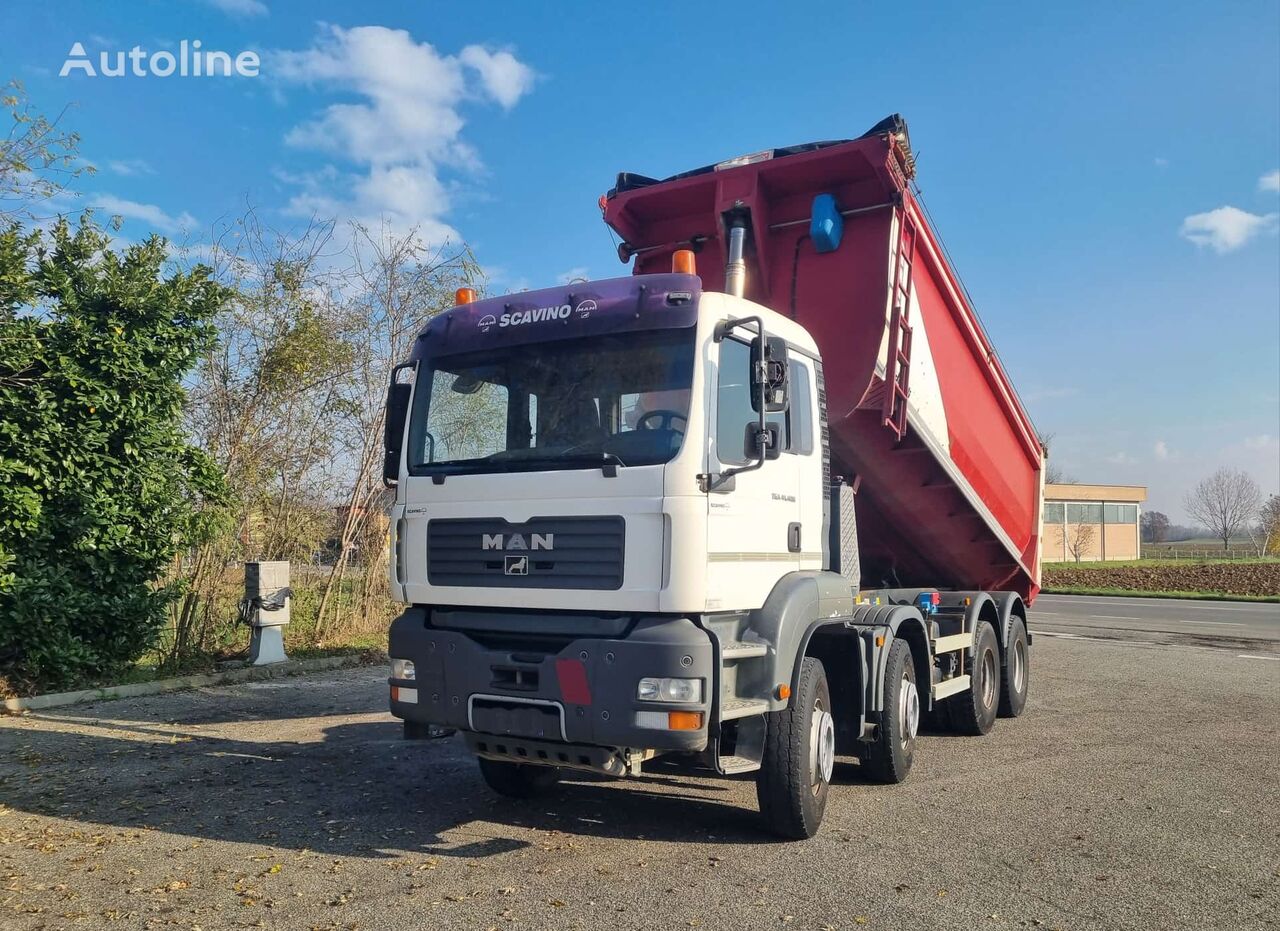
[565, 699]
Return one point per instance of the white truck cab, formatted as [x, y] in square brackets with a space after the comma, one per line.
[616, 534]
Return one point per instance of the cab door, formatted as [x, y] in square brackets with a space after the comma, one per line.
[753, 537]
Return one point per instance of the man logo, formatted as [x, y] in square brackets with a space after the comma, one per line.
[517, 565]
[516, 541]
[486, 321]
[584, 309]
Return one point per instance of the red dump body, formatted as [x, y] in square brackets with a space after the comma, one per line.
[950, 483]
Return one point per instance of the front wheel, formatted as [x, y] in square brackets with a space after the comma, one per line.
[518, 780]
[799, 756]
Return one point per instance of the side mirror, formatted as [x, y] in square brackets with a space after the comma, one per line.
[769, 371]
[762, 444]
[398, 394]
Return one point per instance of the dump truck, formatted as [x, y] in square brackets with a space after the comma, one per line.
[768, 500]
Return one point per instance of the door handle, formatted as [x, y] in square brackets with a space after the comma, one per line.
[793, 538]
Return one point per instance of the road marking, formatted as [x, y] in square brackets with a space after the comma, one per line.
[1256, 656]
[1147, 620]
[1156, 603]
[1050, 633]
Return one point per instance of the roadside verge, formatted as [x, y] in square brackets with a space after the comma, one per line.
[180, 683]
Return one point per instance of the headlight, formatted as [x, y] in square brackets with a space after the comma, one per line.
[681, 690]
[402, 669]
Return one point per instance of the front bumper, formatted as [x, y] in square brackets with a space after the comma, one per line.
[583, 692]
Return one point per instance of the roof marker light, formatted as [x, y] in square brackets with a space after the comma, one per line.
[683, 262]
[464, 296]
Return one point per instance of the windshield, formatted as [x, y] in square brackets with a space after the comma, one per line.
[571, 404]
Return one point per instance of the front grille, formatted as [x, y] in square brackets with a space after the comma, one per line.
[546, 552]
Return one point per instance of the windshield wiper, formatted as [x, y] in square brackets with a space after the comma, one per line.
[608, 462]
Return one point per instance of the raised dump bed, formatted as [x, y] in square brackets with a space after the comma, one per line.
[924, 422]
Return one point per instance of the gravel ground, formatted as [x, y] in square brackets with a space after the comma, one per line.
[1138, 791]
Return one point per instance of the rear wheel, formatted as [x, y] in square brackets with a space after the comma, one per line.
[974, 712]
[1016, 680]
[888, 757]
[518, 780]
[799, 755]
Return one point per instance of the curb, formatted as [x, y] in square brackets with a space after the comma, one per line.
[182, 683]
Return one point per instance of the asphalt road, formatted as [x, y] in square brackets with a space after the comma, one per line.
[1138, 791]
[1248, 626]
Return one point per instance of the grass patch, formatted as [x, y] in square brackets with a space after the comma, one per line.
[1100, 566]
[1140, 593]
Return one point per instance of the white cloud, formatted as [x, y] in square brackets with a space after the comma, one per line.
[573, 274]
[240, 7]
[1261, 441]
[1270, 181]
[131, 166]
[1226, 228]
[1161, 450]
[505, 78]
[149, 214]
[403, 129]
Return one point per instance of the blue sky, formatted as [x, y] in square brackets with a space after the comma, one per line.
[1079, 160]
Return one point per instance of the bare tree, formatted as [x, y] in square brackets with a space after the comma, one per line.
[1269, 525]
[1053, 473]
[263, 405]
[398, 283]
[1225, 502]
[1080, 537]
[38, 158]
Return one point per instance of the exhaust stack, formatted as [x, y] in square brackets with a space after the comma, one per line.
[735, 273]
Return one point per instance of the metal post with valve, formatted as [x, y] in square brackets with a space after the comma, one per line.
[265, 609]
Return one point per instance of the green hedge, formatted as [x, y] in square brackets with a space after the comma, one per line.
[99, 488]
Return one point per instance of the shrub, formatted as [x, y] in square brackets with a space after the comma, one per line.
[99, 488]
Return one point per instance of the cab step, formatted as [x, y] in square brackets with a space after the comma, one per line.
[732, 708]
[743, 649]
[732, 765]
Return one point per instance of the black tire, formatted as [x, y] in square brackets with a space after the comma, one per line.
[1015, 675]
[888, 758]
[974, 711]
[799, 753]
[518, 780]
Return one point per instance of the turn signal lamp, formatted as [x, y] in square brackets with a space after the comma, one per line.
[683, 262]
[464, 296]
[684, 720]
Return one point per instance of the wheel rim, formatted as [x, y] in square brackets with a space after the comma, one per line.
[909, 710]
[1019, 667]
[822, 747]
[989, 678]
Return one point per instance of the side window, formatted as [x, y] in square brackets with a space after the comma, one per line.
[800, 411]
[733, 405]
[1084, 513]
[733, 402]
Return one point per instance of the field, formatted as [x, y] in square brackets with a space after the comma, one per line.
[1201, 548]
[1239, 578]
